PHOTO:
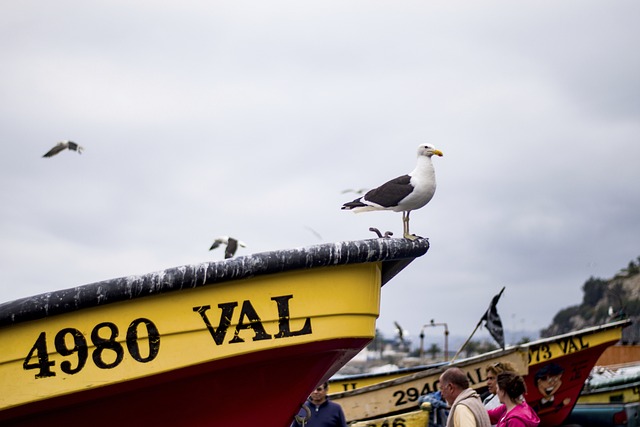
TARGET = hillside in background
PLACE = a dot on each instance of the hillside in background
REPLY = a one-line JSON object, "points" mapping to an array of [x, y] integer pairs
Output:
{"points": [[604, 300]]}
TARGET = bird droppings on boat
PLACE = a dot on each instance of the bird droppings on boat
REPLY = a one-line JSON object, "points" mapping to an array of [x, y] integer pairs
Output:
{"points": [[100, 295], [391, 252]]}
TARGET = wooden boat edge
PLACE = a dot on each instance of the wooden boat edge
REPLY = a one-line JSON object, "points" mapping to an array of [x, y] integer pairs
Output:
{"points": [[428, 372], [394, 254], [420, 371]]}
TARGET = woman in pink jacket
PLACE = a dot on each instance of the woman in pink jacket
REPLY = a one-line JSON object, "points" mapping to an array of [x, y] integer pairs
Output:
{"points": [[514, 412]]}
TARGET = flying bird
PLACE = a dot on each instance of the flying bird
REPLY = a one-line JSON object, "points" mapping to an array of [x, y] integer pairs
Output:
{"points": [[318, 235], [357, 191], [400, 331], [405, 193], [63, 145], [232, 245]]}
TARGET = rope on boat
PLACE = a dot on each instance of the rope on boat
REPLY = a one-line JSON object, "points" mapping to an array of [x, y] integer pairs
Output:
{"points": [[303, 420]]}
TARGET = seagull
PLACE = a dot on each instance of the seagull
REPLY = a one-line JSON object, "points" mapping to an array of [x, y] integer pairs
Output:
{"points": [[400, 331], [232, 245], [404, 193], [63, 145]]}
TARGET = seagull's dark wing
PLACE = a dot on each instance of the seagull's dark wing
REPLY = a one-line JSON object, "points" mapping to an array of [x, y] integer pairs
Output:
{"points": [[357, 203], [215, 245], [72, 145], [232, 247], [391, 192], [55, 150]]}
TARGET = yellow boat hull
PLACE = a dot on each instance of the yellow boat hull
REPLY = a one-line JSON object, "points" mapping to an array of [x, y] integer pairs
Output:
{"points": [[626, 394], [418, 418], [229, 351]]}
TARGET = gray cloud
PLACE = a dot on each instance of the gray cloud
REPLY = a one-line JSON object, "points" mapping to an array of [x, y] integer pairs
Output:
{"points": [[249, 120]]}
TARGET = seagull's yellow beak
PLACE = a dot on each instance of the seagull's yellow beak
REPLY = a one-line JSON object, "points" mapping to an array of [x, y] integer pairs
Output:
{"points": [[438, 153]]}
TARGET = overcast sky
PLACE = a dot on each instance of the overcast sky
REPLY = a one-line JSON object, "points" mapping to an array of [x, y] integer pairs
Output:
{"points": [[249, 118]]}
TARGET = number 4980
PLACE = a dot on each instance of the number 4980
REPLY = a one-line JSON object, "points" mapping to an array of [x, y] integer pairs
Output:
{"points": [[103, 337]]}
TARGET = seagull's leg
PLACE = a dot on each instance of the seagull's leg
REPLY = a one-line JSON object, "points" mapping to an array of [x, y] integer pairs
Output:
{"points": [[405, 220], [404, 224]]}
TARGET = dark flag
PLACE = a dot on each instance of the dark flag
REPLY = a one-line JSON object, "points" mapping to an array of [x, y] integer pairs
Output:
{"points": [[492, 321]]}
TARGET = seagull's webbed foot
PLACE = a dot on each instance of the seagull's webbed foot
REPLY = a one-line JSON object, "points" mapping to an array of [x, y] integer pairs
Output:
{"points": [[405, 224]]}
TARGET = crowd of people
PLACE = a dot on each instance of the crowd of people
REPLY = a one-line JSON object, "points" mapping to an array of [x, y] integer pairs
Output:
{"points": [[505, 406]]}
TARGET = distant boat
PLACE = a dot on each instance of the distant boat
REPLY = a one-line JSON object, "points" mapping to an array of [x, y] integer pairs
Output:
{"points": [[419, 418], [612, 384], [240, 342], [559, 366], [554, 369], [401, 394], [611, 396], [355, 381]]}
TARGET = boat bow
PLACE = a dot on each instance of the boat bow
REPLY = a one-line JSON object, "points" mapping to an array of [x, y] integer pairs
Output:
{"points": [[189, 346]]}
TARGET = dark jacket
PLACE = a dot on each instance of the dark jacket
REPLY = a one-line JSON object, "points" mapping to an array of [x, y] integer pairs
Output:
{"points": [[328, 414]]}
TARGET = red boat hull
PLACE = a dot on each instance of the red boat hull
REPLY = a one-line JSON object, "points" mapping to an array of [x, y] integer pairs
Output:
{"points": [[553, 387], [213, 394]]}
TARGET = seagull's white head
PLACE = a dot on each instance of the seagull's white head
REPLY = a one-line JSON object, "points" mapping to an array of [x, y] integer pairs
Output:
{"points": [[428, 150]]}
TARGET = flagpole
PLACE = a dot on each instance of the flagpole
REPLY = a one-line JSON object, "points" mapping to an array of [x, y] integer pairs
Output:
{"points": [[485, 317], [466, 342]]}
